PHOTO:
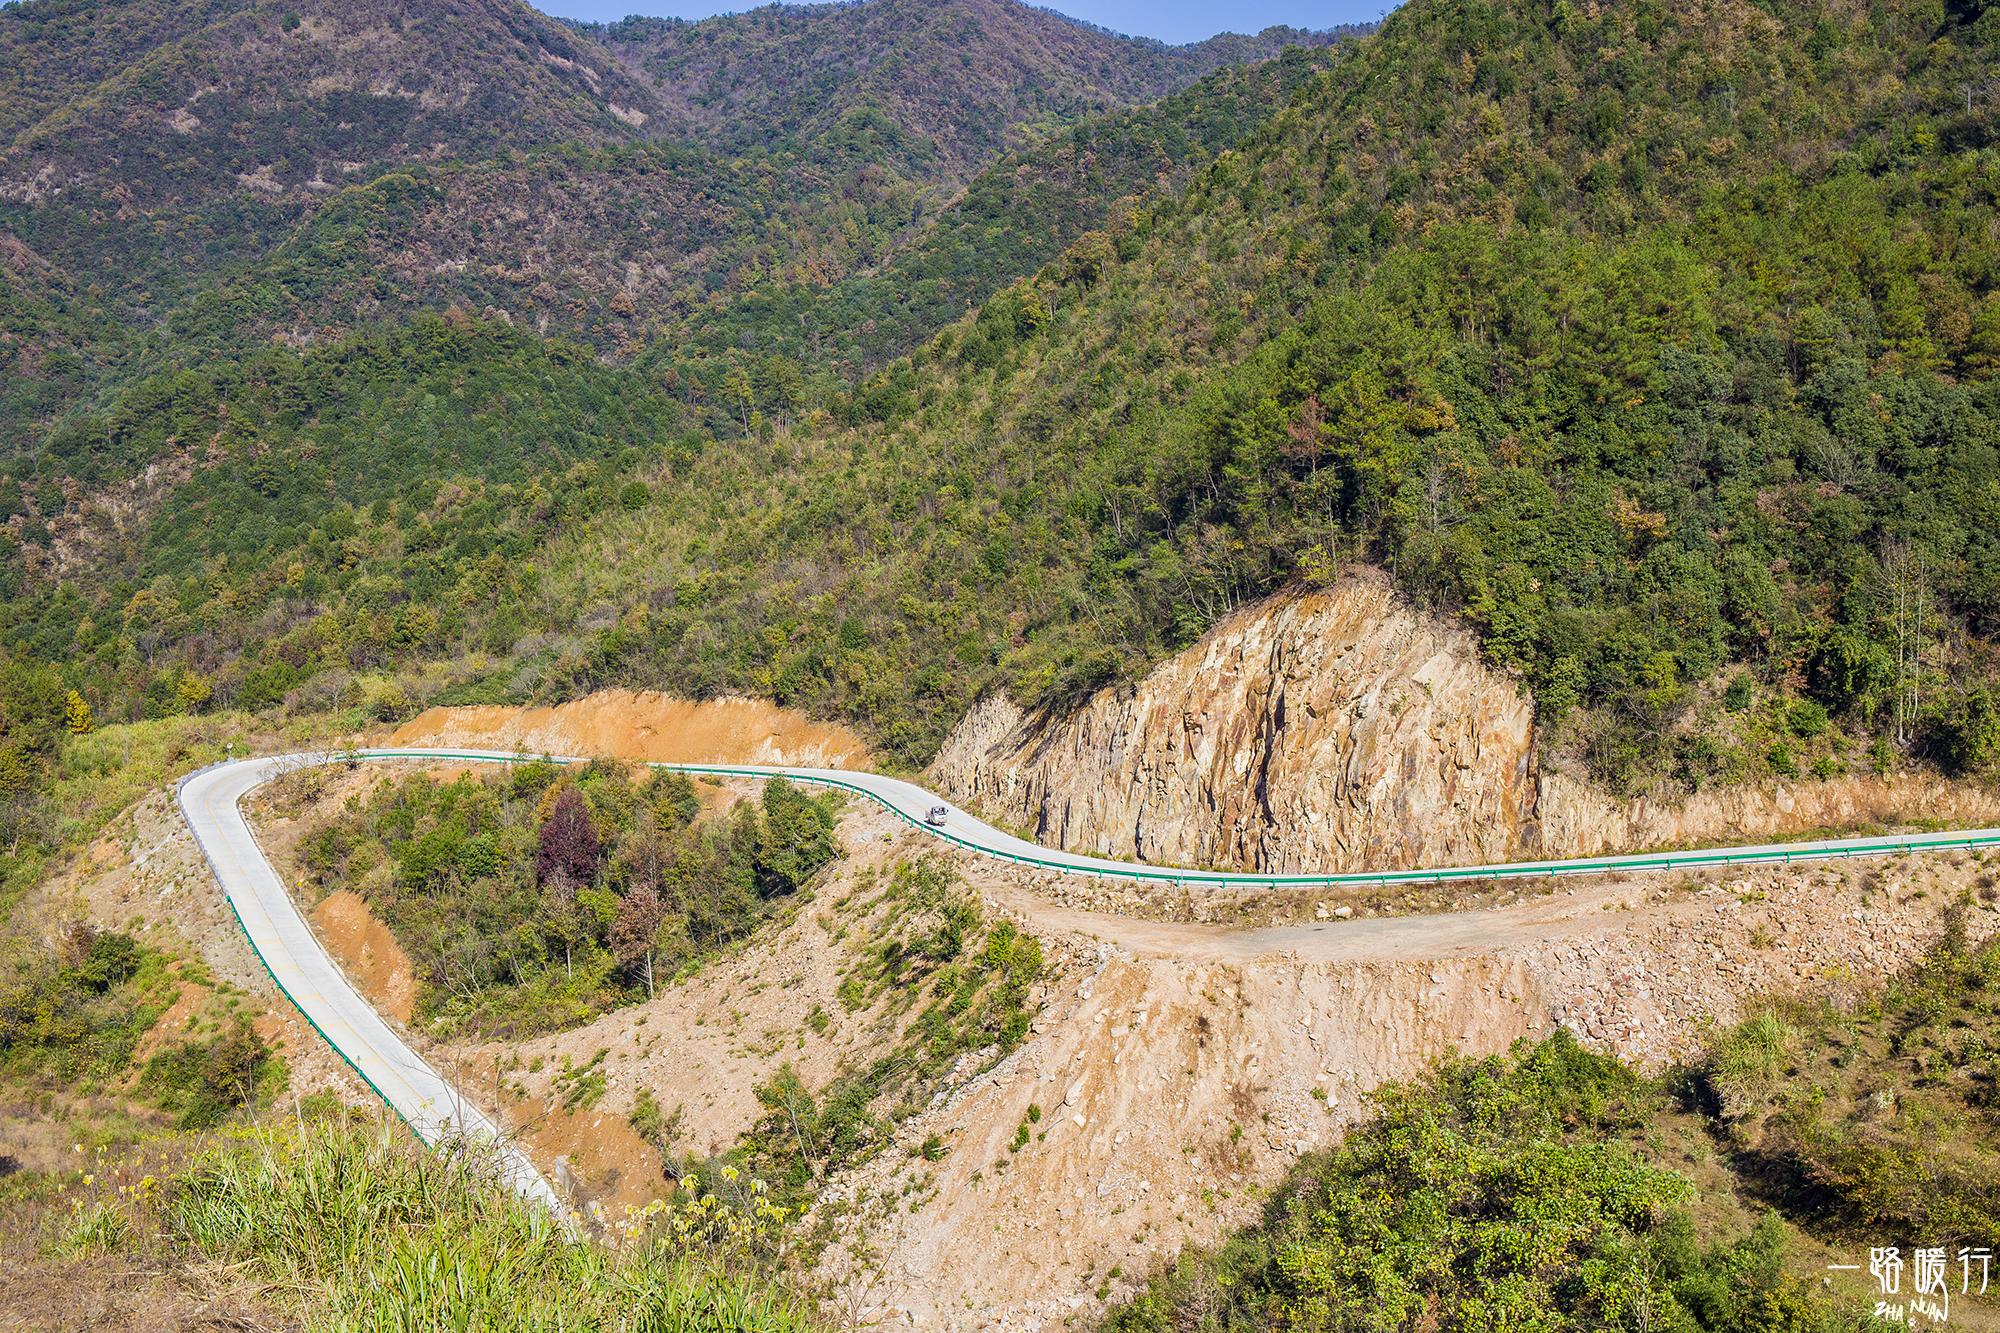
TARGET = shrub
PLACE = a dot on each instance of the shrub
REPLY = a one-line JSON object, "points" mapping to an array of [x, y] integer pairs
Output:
{"points": [[363, 1231], [797, 838], [538, 896], [1964, 734], [1807, 718], [1494, 1193], [206, 1082], [79, 1011], [567, 844]]}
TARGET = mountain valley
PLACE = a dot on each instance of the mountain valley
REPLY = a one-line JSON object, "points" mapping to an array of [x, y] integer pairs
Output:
{"points": [[1375, 454]]}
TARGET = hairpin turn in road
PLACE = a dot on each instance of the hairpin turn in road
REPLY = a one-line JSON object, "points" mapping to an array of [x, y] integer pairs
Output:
{"points": [[211, 800]]}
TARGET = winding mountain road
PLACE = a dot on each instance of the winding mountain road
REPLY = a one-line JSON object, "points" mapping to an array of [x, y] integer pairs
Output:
{"points": [[211, 800]]}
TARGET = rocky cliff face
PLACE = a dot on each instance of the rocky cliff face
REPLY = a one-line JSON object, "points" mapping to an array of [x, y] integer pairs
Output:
{"points": [[1580, 820], [1346, 730], [1316, 730]]}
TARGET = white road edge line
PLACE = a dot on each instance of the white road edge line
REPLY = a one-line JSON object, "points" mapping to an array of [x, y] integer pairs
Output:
{"points": [[211, 801]]}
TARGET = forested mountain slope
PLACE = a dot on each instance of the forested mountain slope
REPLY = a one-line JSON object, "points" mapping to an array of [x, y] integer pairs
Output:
{"points": [[929, 89], [712, 261], [146, 146], [149, 138], [1015, 216], [1657, 341], [200, 177], [153, 104]]}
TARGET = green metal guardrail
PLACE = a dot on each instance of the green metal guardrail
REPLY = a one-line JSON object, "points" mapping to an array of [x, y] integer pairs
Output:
{"points": [[442, 1141], [1585, 865], [1832, 850], [285, 990]]}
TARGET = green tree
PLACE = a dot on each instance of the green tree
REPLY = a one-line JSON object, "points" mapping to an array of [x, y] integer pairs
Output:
{"points": [[76, 713], [797, 838]]}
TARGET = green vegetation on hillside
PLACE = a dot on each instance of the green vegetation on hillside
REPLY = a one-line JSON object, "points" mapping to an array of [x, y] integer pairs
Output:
{"points": [[284, 94], [537, 898], [34, 719], [64, 777], [1481, 305], [1556, 1189], [72, 1017], [786, 265], [1501, 1193], [1656, 343], [74, 1014], [1883, 1118], [65, 780], [186, 178], [374, 1234], [319, 1220], [928, 90], [342, 1226], [341, 509], [149, 145], [1014, 217]]}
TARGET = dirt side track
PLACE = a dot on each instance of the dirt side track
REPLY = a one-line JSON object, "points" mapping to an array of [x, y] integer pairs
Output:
{"points": [[1181, 1066]]}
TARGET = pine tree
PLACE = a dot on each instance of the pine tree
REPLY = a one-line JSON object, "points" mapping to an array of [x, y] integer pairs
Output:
{"points": [[76, 713]]}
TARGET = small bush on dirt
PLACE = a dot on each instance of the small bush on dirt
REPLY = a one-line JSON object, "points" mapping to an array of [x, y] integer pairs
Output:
{"points": [[205, 1082], [95, 1226], [76, 1012], [651, 1123]]}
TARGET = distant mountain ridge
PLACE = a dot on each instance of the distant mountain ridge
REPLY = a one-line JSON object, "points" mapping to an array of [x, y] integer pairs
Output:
{"points": [[177, 176], [283, 98], [180, 177], [941, 84]]}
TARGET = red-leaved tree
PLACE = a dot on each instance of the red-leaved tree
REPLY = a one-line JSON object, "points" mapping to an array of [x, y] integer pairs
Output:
{"points": [[568, 842], [632, 932]]}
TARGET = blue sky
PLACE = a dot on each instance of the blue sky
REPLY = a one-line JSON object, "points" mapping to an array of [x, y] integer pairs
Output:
{"points": [[1169, 20]]}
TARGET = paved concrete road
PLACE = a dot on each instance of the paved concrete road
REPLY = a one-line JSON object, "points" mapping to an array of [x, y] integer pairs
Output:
{"points": [[210, 799]]}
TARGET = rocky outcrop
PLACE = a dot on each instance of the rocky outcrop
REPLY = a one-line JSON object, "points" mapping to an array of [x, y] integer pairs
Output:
{"points": [[1316, 730], [1345, 729], [1578, 819]]}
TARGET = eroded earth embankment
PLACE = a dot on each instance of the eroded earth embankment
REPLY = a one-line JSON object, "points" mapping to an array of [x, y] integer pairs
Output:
{"points": [[1173, 1070], [644, 725]]}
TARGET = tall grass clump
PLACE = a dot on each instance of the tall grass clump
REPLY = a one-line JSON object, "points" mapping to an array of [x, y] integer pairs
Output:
{"points": [[361, 1231]]}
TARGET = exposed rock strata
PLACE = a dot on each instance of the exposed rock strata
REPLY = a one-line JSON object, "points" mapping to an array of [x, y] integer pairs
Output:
{"points": [[1326, 728], [1580, 820], [1345, 729]]}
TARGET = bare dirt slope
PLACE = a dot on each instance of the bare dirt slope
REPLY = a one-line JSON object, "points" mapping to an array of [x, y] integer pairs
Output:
{"points": [[1175, 1068], [640, 725], [1179, 1073], [367, 952], [146, 877]]}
